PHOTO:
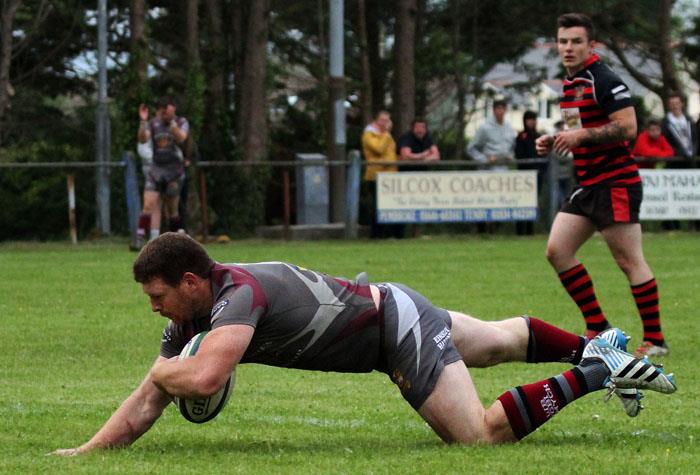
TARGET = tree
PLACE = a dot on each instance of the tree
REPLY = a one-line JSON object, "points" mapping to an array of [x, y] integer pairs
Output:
{"points": [[254, 101], [629, 30], [366, 71], [9, 10], [216, 120], [404, 70]]}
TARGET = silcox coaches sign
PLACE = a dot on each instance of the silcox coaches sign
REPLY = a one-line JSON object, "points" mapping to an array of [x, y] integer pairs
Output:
{"points": [[435, 197]]}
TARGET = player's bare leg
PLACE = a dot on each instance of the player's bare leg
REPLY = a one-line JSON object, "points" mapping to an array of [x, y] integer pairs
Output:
{"points": [[524, 338], [172, 202], [625, 243], [152, 204], [569, 232], [456, 414], [149, 220], [487, 343]]}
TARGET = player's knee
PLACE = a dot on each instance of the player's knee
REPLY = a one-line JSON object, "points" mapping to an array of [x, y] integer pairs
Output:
{"points": [[498, 351], [551, 253], [557, 255], [626, 263]]}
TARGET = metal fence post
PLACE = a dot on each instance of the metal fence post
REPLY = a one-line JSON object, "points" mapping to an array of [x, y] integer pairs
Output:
{"points": [[131, 188], [72, 223], [553, 181], [352, 194]]}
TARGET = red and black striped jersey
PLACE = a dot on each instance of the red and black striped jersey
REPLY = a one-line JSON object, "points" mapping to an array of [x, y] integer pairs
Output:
{"points": [[589, 97]]}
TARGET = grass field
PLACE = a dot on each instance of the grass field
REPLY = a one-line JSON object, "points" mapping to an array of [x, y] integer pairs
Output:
{"points": [[78, 337]]}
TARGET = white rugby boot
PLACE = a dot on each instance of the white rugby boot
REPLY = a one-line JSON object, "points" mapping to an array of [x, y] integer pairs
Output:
{"points": [[626, 371], [631, 398]]}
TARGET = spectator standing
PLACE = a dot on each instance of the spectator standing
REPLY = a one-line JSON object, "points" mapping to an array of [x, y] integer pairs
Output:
{"points": [[165, 176], [651, 143], [417, 145], [680, 133], [494, 142], [378, 146], [525, 149]]}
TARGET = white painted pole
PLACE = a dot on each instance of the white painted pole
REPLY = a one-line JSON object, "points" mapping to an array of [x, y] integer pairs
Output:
{"points": [[72, 224]]}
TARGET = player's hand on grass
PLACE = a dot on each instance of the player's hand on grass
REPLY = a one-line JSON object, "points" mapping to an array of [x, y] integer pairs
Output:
{"points": [[68, 452]]}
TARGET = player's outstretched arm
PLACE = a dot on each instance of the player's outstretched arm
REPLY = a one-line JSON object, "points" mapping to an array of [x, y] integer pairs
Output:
{"points": [[133, 418]]}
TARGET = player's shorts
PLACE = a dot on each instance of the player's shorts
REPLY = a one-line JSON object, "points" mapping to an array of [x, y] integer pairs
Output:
{"points": [[165, 179], [605, 205], [417, 343]]}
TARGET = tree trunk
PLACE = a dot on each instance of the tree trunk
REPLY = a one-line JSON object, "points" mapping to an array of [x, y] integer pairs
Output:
{"points": [[216, 88], [421, 81], [666, 50], [138, 45], [458, 78], [254, 101], [218, 52], [404, 71], [238, 34], [192, 40], [366, 90], [377, 71], [9, 11]]}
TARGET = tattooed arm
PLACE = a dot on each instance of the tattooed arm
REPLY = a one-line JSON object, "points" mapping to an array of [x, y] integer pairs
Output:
{"points": [[622, 126]]}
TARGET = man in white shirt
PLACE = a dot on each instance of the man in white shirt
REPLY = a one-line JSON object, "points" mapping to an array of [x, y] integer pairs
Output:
{"points": [[679, 131], [494, 142]]}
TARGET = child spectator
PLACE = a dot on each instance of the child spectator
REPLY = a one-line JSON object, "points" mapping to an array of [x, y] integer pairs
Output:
{"points": [[651, 143]]}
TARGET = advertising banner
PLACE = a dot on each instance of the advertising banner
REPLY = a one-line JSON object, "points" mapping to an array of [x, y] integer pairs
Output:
{"points": [[670, 194], [459, 196]]}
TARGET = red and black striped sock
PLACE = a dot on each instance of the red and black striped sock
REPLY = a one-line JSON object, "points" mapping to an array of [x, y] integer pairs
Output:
{"points": [[548, 343], [579, 285], [143, 225], [646, 296], [528, 407]]}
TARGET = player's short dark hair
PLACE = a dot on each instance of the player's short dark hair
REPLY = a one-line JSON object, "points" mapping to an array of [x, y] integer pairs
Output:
{"points": [[570, 20], [165, 101], [169, 256]]}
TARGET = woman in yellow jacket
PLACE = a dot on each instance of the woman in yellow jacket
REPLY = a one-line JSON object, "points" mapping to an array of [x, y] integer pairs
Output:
{"points": [[379, 146]]}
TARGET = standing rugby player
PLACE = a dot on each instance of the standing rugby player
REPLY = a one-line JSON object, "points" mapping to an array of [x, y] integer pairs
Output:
{"points": [[597, 109]]}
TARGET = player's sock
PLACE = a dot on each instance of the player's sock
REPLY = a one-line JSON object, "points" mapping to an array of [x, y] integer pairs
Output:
{"points": [[155, 232], [528, 407], [579, 285], [143, 225], [646, 296], [175, 224], [549, 343]]}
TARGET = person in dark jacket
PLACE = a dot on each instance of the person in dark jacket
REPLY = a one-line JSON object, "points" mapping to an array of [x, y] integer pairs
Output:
{"points": [[524, 150]]}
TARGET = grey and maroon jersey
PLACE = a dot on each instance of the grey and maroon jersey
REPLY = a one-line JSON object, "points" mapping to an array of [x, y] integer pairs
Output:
{"points": [[302, 319], [165, 149]]}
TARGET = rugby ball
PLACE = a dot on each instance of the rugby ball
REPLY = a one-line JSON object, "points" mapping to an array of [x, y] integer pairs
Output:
{"points": [[203, 410]]}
